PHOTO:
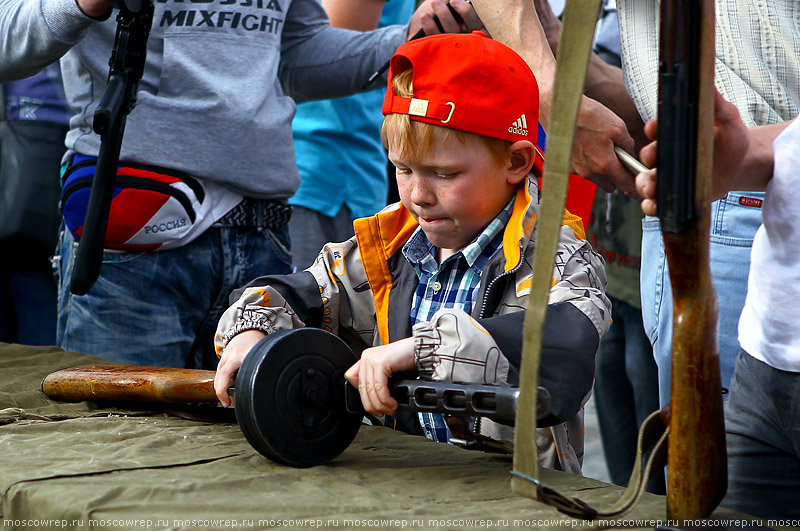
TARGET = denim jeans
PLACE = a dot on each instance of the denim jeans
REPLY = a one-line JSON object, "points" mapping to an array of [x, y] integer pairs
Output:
{"points": [[762, 425], [625, 391], [733, 226], [27, 307], [161, 308]]}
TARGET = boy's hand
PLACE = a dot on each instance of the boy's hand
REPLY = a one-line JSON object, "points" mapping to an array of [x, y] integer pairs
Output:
{"points": [[370, 375], [231, 360], [423, 18], [731, 144]]}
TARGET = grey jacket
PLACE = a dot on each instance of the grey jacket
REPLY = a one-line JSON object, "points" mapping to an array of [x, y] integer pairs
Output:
{"points": [[216, 98]]}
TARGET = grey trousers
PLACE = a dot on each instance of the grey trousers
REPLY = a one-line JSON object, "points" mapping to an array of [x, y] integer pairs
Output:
{"points": [[762, 424], [309, 231]]}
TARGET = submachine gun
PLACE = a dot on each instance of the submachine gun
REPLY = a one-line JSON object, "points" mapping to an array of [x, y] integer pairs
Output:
{"points": [[291, 399], [126, 68]]}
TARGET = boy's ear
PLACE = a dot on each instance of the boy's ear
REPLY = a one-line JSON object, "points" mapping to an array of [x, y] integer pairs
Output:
{"points": [[522, 157]]}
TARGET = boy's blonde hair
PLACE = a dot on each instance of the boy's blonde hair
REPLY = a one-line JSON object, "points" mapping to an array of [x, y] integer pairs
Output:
{"points": [[416, 138]]}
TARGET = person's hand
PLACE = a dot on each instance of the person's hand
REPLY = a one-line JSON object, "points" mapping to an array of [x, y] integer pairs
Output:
{"points": [[94, 8], [231, 359], [597, 131], [731, 144], [423, 18], [370, 374]]}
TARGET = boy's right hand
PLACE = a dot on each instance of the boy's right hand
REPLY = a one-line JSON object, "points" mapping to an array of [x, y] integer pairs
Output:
{"points": [[231, 359], [371, 373]]}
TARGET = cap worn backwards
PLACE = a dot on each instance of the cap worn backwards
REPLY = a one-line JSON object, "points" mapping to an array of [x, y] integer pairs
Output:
{"points": [[467, 82]]}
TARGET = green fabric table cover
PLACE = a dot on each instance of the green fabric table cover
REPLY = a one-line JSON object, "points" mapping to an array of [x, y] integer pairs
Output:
{"points": [[83, 466]]}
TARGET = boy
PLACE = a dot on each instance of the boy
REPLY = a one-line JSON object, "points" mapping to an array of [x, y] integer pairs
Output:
{"points": [[458, 246]]}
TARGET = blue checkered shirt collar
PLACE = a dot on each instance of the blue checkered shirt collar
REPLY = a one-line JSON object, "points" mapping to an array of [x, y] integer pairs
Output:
{"points": [[461, 271]]}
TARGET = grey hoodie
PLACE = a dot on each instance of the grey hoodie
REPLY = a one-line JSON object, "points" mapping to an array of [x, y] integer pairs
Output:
{"points": [[216, 98]]}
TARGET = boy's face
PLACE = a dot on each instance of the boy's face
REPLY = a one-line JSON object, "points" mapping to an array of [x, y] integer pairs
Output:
{"points": [[455, 190]]}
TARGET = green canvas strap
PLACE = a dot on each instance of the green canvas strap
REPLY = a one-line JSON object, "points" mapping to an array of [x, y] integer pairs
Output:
{"points": [[575, 44], [579, 20]]}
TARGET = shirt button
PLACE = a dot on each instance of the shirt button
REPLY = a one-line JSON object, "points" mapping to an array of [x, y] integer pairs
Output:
{"points": [[436, 286]]}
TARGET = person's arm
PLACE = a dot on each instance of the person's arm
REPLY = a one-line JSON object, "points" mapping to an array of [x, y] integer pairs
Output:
{"points": [[320, 62], [743, 158], [257, 311], [37, 33], [593, 156], [329, 295], [603, 81]]}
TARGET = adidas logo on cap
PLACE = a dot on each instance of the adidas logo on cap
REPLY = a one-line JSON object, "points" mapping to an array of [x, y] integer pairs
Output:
{"points": [[519, 126]]}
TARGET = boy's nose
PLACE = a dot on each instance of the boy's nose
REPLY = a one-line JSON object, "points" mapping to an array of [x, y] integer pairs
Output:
{"points": [[420, 193]]}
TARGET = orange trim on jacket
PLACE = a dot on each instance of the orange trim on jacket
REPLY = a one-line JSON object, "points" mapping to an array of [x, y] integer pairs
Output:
{"points": [[382, 235]]}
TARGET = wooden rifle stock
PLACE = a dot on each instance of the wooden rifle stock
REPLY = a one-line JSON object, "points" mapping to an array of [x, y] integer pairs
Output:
{"points": [[131, 383], [697, 465]]}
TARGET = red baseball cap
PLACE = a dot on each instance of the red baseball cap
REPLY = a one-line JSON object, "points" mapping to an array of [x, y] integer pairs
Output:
{"points": [[468, 82]]}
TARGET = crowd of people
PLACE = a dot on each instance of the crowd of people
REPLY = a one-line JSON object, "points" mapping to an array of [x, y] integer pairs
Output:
{"points": [[260, 120]]}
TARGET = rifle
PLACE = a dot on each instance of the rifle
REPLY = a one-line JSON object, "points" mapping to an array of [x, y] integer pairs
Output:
{"points": [[697, 470], [126, 68]]}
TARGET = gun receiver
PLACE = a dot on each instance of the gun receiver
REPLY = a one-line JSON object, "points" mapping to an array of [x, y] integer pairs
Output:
{"points": [[677, 107]]}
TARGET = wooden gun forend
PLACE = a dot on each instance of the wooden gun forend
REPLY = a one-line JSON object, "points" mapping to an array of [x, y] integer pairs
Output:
{"points": [[697, 470]]}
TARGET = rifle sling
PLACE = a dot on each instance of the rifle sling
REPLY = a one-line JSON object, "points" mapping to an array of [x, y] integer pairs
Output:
{"points": [[575, 43]]}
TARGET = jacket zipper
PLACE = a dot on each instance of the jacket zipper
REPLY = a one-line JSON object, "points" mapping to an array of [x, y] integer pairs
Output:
{"points": [[482, 313]]}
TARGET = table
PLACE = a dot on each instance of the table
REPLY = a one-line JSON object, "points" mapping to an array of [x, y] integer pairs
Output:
{"points": [[87, 466]]}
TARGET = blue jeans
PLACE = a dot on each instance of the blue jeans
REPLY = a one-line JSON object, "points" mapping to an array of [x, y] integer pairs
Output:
{"points": [[733, 227], [625, 391], [161, 308], [762, 425], [27, 307]]}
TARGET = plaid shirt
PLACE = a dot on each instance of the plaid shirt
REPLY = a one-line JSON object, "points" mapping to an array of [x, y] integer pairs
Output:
{"points": [[453, 284]]}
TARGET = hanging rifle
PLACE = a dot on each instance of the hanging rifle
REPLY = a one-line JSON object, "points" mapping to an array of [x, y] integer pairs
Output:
{"points": [[126, 68], [697, 471]]}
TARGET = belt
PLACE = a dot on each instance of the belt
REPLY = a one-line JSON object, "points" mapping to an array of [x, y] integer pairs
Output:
{"points": [[257, 213]]}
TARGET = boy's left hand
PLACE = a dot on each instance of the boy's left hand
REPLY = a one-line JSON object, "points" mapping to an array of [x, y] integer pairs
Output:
{"points": [[370, 374]]}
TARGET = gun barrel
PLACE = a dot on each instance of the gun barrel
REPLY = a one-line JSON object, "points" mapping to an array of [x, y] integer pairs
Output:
{"points": [[495, 402]]}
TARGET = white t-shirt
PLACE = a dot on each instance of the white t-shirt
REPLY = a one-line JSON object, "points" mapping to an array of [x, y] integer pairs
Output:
{"points": [[769, 328]]}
